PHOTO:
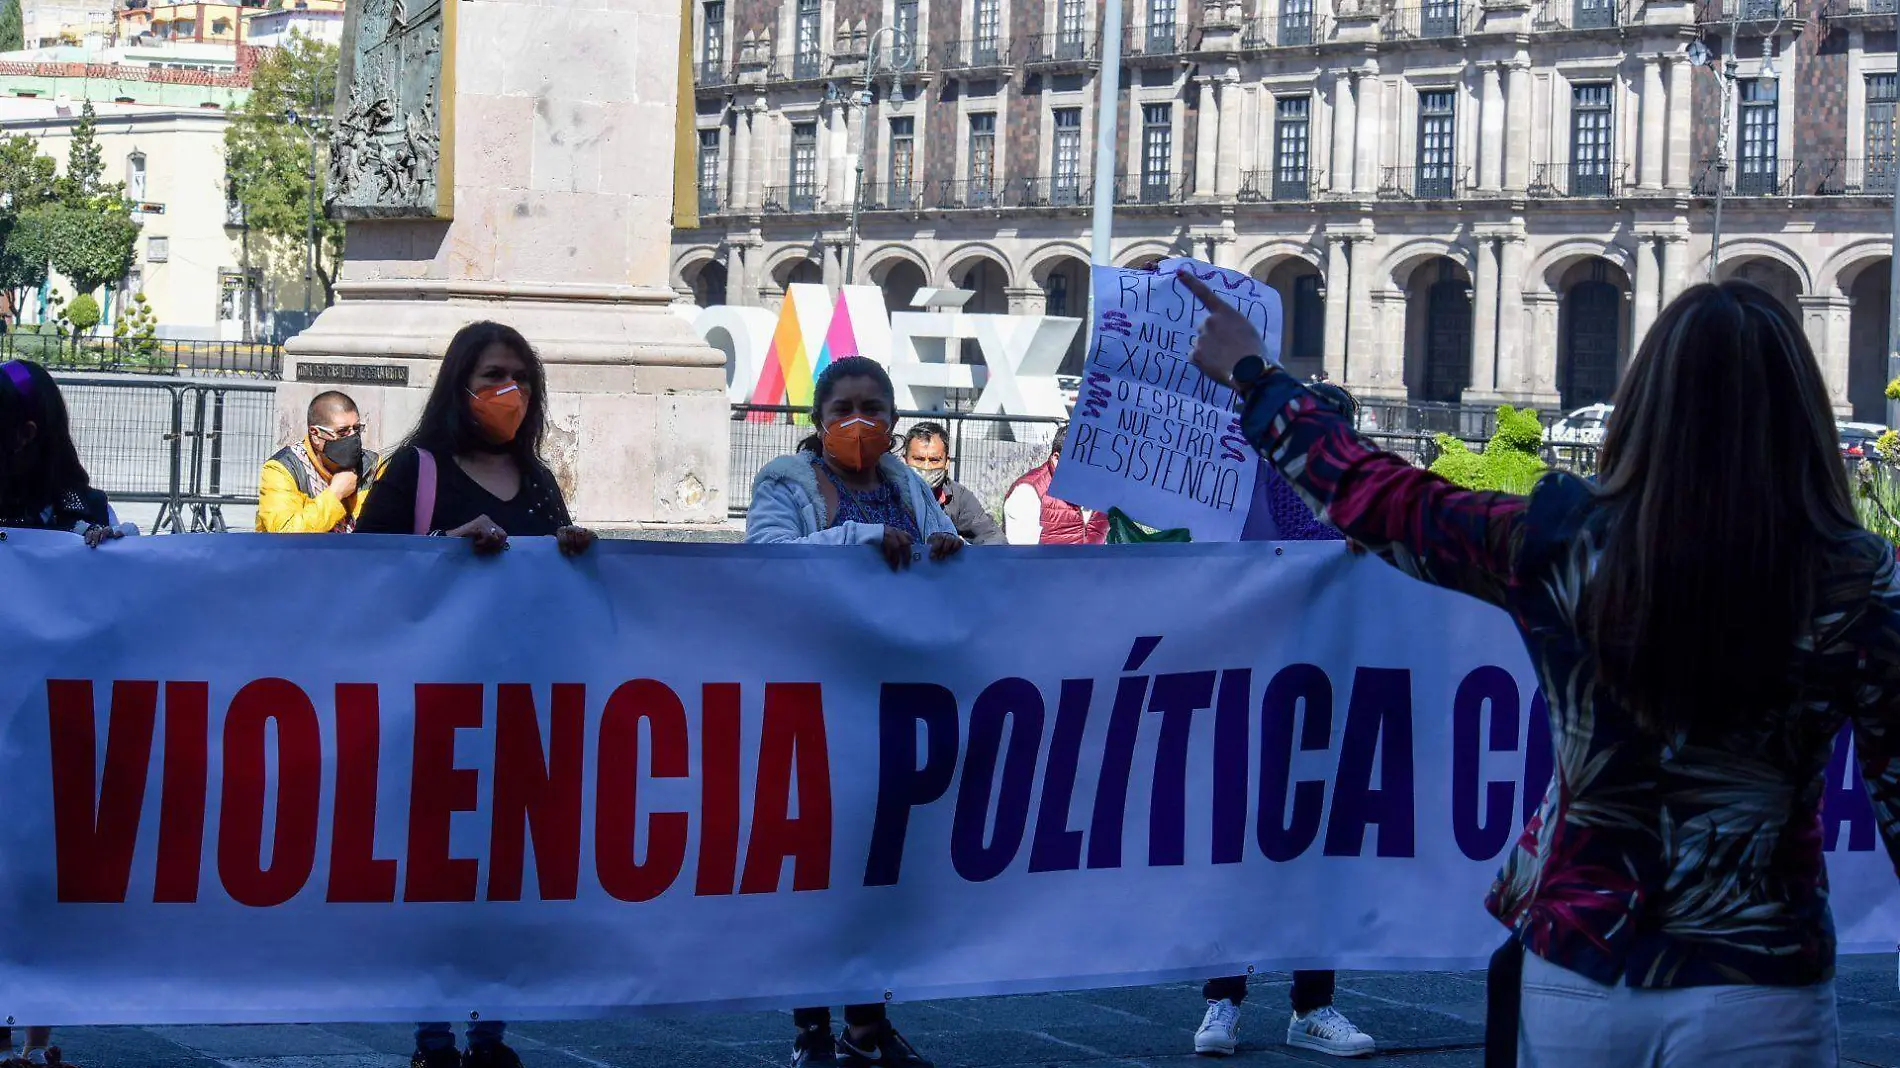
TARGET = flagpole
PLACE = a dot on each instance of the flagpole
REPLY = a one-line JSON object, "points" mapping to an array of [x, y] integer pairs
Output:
{"points": [[1107, 127]]}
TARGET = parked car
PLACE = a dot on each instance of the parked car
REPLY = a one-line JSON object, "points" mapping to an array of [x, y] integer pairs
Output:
{"points": [[1857, 439], [1581, 427]]}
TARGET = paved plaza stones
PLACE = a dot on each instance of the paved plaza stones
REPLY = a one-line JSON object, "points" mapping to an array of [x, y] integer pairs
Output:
{"points": [[1423, 1020]]}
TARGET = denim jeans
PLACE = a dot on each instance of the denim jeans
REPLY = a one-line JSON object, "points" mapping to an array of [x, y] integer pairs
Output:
{"points": [[1311, 990], [1569, 1021], [430, 1036]]}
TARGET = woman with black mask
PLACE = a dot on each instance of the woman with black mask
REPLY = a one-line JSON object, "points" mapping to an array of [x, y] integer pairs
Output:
{"points": [[472, 468]]}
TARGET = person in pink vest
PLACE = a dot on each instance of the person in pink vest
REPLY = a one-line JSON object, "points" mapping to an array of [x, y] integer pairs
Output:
{"points": [[1032, 517]]}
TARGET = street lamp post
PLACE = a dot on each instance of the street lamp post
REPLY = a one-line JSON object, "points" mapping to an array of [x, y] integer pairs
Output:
{"points": [[1699, 55], [901, 44], [311, 125]]}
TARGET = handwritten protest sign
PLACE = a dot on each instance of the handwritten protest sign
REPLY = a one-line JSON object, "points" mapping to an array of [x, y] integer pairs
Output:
{"points": [[1151, 434]]}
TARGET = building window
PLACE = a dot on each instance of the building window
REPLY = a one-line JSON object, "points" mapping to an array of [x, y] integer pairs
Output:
{"points": [[1438, 18], [135, 177], [1157, 152], [1291, 175], [1069, 29], [904, 48], [1067, 157], [982, 157], [712, 43], [1761, 137], [1590, 141], [708, 172], [1437, 124], [903, 157], [804, 166], [989, 17], [1881, 94], [1161, 26], [1296, 23], [807, 62]]}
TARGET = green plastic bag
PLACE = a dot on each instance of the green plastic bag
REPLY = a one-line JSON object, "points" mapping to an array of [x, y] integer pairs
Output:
{"points": [[1125, 531]]}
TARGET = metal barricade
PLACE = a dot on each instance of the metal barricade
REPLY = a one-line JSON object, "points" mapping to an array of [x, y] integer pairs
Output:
{"points": [[190, 446]]}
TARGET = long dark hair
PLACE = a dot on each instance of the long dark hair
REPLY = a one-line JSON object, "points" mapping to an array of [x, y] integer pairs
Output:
{"points": [[447, 427], [1722, 464], [827, 384], [37, 473]]}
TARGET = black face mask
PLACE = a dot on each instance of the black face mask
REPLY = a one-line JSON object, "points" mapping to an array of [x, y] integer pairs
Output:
{"points": [[344, 454]]}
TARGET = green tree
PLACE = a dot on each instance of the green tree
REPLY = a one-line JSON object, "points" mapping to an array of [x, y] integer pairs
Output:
{"points": [[84, 180], [268, 157], [91, 248], [27, 185], [83, 313], [12, 27], [1510, 462], [26, 254]]}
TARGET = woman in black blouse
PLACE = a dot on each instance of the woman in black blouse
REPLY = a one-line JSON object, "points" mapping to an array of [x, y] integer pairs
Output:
{"points": [[482, 430]]}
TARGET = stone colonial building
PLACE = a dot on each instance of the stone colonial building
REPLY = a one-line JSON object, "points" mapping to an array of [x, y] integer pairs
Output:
{"points": [[1459, 201]]}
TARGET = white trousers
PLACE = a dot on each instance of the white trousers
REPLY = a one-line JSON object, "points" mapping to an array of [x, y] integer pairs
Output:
{"points": [[1568, 1021]]}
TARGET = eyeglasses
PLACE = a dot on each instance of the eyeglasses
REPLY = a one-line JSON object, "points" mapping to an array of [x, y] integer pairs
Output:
{"points": [[325, 433]]}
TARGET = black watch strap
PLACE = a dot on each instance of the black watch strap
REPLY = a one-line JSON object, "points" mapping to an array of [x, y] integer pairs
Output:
{"points": [[1249, 372]]}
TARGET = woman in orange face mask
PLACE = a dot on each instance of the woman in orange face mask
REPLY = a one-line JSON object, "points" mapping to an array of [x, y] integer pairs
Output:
{"points": [[472, 468], [844, 486]]}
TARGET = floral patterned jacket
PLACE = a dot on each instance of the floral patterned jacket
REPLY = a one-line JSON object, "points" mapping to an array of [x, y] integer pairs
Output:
{"points": [[1690, 861]]}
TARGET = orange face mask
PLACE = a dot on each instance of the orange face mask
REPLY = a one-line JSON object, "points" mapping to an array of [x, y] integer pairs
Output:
{"points": [[855, 442], [499, 410]]}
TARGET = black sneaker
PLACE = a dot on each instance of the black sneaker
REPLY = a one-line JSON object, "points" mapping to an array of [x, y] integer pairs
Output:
{"points": [[884, 1049], [491, 1055], [814, 1046], [436, 1058]]}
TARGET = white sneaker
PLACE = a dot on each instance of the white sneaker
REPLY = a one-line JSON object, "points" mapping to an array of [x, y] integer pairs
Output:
{"points": [[1220, 1029], [1328, 1031]]}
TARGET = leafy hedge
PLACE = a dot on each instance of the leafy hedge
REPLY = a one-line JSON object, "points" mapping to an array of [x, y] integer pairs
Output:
{"points": [[1510, 463]]}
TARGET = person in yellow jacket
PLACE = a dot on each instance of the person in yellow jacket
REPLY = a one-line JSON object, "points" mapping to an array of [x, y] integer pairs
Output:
{"points": [[318, 485]]}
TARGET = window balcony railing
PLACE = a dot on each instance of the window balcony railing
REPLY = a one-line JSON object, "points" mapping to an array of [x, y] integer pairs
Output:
{"points": [[789, 200], [1752, 178], [1430, 21], [1859, 177], [1590, 179], [1285, 186], [1156, 40], [1713, 11], [1062, 48], [1425, 183], [893, 196], [1156, 188], [1582, 15], [1057, 191], [235, 216], [966, 193], [710, 202], [806, 66], [975, 53], [1286, 31], [709, 72], [1850, 9]]}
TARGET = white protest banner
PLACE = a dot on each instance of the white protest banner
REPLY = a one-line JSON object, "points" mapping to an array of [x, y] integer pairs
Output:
{"points": [[661, 776], [1151, 435]]}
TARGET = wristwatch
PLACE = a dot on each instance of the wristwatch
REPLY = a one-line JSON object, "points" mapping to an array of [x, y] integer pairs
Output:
{"points": [[1249, 373]]}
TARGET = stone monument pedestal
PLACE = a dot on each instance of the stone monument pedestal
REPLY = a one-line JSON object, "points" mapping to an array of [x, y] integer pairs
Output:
{"points": [[556, 140]]}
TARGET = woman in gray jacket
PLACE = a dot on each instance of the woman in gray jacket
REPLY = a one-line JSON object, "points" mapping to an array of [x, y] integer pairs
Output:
{"points": [[843, 486]]}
